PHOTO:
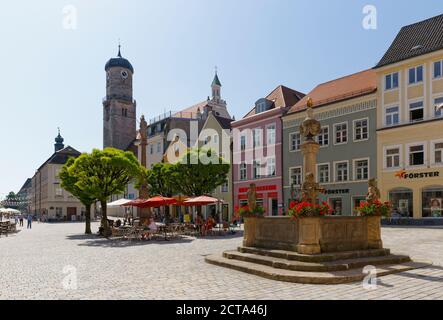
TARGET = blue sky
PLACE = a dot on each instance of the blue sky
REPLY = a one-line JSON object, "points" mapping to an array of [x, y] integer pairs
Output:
{"points": [[53, 77]]}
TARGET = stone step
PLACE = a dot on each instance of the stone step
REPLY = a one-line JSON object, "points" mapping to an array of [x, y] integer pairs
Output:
{"points": [[294, 265], [333, 277], [324, 257]]}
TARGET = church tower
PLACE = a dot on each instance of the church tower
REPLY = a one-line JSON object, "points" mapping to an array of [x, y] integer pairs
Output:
{"points": [[59, 142], [119, 107], [216, 89]]}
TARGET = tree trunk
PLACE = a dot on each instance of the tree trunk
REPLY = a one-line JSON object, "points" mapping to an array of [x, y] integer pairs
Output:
{"points": [[105, 224], [88, 220]]}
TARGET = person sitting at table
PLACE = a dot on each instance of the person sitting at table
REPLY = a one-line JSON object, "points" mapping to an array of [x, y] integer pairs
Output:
{"points": [[151, 228]]}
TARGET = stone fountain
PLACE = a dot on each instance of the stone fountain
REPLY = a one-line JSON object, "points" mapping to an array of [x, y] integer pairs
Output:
{"points": [[322, 250]]}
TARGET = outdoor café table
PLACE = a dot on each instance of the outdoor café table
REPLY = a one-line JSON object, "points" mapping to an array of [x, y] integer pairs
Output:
{"points": [[162, 228]]}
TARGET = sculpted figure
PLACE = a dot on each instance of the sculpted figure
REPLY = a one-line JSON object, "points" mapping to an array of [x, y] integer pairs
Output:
{"points": [[310, 188], [310, 127], [373, 192], [252, 197]]}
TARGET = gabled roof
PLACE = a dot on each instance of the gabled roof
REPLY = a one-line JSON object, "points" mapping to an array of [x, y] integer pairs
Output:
{"points": [[282, 97], [61, 156], [415, 40], [225, 123], [345, 88], [25, 186]]}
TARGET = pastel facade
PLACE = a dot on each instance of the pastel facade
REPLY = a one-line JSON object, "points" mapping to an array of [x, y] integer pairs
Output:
{"points": [[410, 125], [346, 109], [257, 151]]}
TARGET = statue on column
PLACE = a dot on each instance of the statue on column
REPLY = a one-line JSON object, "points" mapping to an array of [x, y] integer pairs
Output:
{"points": [[373, 192], [252, 197], [310, 127], [310, 189]]}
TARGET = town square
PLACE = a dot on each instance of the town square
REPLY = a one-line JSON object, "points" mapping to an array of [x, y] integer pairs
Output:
{"points": [[291, 174]]}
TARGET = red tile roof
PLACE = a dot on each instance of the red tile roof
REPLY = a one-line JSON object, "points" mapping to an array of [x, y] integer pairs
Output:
{"points": [[348, 87], [283, 97]]}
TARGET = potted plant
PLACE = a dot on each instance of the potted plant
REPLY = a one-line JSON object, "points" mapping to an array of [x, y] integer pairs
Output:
{"points": [[375, 209], [246, 212]]}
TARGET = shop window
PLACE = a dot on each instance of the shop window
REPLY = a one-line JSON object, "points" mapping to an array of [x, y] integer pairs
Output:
{"points": [[243, 203], [402, 202], [392, 116], [323, 137], [361, 130], [416, 111], [392, 158], [337, 206], [417, 155], [432, 201]]}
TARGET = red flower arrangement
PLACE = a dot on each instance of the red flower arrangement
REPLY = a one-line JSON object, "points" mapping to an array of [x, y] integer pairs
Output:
{"points": [[378, 208], [245, 211], [306, 209]]}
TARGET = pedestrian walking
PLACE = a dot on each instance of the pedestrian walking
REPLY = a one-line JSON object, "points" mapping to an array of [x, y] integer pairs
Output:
{"points": [[29, 221], [21, 220]]}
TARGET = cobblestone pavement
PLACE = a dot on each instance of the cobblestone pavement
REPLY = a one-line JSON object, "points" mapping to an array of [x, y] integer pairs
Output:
{"points": [[38, 264]]}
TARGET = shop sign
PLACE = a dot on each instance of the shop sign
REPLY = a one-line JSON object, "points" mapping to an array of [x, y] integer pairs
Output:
{"points": [[259, 188], [338, 191], [403, 174]]}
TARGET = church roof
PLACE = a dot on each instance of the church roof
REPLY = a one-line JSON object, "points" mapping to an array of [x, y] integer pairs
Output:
{"points": [[216, 81], [119, 62], [61, 156]]}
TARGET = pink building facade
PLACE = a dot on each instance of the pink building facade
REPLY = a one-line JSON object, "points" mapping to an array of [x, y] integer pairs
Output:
{"points": [[257, 151]]}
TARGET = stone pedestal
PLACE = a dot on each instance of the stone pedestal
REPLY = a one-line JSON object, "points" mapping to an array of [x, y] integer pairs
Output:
{"points": [[250, 232], [373, 225], [309, 236]]}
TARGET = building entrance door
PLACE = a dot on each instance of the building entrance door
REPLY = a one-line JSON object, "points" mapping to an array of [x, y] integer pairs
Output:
{"points": [[70, 213], [273, 205]]}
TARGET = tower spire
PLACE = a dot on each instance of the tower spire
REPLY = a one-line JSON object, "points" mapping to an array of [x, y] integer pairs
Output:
{"points": [[119, 49]]}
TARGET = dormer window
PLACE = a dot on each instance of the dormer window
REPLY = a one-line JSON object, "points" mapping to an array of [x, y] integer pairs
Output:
{"points": [[261, 107]]}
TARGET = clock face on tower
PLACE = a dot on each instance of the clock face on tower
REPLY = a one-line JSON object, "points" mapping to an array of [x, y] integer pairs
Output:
{"points": [[124, 74]]}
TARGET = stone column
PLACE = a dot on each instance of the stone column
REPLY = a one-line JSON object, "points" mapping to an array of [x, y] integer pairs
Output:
{"points": [[310, 151], [143, 213]]}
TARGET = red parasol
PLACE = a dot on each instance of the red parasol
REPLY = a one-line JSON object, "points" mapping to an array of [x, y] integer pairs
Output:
{"points": [[159, 201], [201, 201]]}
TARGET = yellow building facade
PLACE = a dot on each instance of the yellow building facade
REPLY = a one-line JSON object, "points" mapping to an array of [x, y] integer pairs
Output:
{"points": [[410, 125]]}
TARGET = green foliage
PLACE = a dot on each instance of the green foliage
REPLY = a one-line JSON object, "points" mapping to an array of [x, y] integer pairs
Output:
{"points": [[104, 173], [200, 172], [161, 179], [69, 179]]}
